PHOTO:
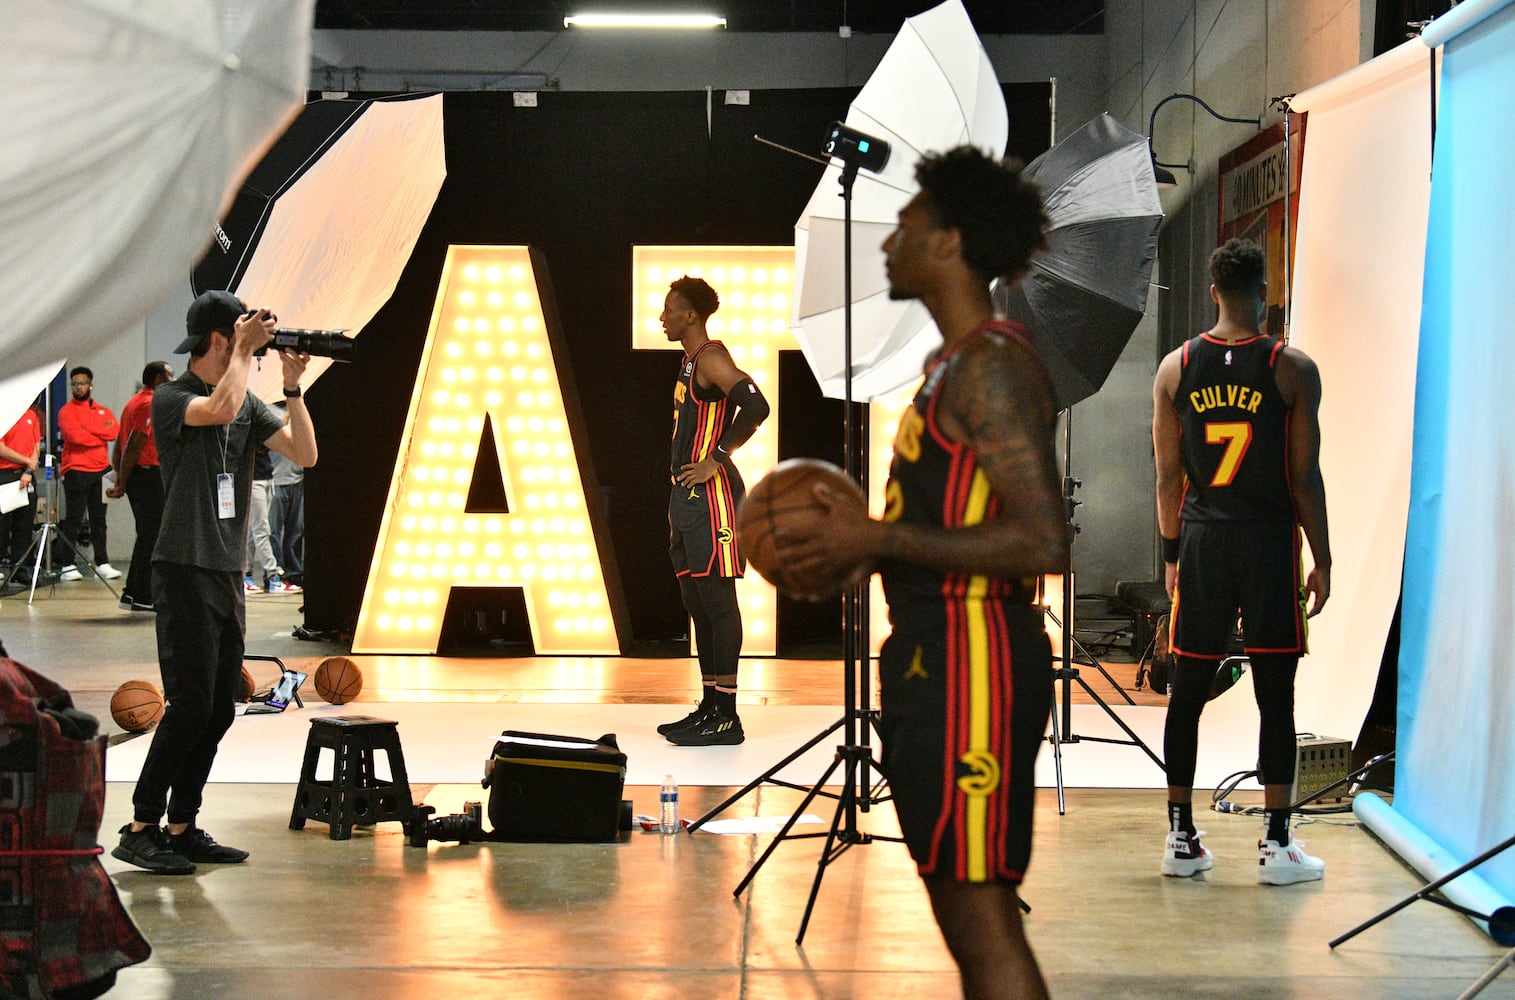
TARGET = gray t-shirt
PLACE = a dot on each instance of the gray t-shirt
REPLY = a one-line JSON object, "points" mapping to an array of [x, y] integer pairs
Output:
{"points": [[191, 458], [287, 473]]}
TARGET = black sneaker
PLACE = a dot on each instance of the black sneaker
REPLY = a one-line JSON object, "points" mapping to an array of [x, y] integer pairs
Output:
{"points": [[715, 729], [149, 848], [197, 845], [685, 722]]}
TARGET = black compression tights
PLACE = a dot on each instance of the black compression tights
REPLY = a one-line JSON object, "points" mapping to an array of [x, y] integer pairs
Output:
{"points": [[711, 603], [1273, 686]]}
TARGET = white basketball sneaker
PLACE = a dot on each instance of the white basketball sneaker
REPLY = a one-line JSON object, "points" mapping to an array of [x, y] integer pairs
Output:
{"points": [[1286, 864], [1184, 855]]}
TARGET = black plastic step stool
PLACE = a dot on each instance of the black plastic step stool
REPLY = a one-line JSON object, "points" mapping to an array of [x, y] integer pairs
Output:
{"points": [[354, 795]]}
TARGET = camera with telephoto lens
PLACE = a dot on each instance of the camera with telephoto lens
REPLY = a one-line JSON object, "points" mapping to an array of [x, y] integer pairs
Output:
{"points": [[463, 828], [332, 344]]}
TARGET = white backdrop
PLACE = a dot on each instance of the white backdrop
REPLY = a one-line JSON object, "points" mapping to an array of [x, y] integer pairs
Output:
{"points": [[1356, 310]]}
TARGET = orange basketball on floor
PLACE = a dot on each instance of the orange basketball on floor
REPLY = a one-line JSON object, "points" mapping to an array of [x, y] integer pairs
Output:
{"points": [[338, 680], [785, 499], [136, 706], [248, 685]]}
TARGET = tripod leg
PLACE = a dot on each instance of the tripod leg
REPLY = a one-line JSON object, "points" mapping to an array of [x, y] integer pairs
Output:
{"points": [[768, 774], [1094, 662], [784, 832], [1057, 763], [849, 775], [1132, 738], [40, 544], [1490, 976]]}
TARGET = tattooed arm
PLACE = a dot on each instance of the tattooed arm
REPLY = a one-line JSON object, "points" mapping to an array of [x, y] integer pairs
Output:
{"points": [[998, 401]]}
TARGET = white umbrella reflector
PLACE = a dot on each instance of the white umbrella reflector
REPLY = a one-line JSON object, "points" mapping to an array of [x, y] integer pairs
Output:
{"points": [[129, 125], [934, 89]]}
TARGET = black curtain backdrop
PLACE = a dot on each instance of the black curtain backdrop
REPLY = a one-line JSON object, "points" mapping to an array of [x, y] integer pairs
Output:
{"points": [[583, 177]]}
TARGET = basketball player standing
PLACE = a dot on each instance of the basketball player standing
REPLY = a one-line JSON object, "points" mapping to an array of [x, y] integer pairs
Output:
{"points": [[716, 408], [973, 516], [1236, 434]]}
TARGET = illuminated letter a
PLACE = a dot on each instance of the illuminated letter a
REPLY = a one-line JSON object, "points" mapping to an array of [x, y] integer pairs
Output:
{"points": [[488, 380]]}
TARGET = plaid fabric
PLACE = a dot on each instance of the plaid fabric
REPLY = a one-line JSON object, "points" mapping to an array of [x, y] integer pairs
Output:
{"points": [[61, 922]]}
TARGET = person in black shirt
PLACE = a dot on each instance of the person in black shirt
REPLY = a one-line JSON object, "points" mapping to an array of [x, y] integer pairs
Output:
{"points": [[1236, 434]]}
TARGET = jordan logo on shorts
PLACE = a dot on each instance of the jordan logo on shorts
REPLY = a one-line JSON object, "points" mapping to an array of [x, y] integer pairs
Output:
{"points": [[916, 670]]}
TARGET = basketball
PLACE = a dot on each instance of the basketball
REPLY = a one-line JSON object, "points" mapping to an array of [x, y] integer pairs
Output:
{"points": [[248, 685], [338, 680], [136, 706], [785, 500]]}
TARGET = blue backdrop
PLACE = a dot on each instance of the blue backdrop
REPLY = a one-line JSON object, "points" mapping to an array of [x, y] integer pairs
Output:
{"points": [[1456, 728]]}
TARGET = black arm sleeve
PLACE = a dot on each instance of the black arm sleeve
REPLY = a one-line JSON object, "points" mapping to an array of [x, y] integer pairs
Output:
{"points": [[752, 410]]}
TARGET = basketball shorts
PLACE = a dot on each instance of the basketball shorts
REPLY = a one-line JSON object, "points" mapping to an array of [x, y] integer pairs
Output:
{"points": [[1231, 569], [964, 709], [702, 528]]}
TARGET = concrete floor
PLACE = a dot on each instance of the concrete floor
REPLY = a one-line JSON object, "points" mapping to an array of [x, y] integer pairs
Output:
{"points": [[654, 916]]}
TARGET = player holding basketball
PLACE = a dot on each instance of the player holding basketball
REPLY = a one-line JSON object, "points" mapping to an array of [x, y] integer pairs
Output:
{"points": [[716, 408], [973, 516], [206, 426], [1236, 433]]}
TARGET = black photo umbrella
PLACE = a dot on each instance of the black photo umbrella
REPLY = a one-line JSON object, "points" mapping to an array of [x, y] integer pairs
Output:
{"points": [[1085, 295]]}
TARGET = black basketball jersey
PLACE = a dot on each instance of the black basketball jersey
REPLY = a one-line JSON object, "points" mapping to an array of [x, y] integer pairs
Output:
{"points": [[937, 482], [697, 423], [1235, 431]]}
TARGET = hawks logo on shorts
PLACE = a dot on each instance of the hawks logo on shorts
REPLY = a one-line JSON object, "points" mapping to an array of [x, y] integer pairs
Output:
{"points": [[703, 517]]}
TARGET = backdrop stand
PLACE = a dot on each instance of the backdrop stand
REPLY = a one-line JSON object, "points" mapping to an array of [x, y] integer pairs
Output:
{"points": [[1501, 922], [1063, 670]]}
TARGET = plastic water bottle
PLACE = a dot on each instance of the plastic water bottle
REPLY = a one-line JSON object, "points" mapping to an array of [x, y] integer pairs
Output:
{"points": [[668, 797]]}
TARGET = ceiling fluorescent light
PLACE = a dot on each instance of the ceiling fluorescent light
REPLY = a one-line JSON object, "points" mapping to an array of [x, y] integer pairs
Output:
{"points": [[644, 21]]}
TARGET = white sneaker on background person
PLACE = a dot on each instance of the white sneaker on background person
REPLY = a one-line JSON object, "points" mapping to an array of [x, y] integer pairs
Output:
{"points": [[69, 574], [278, 585], [1184, 855], [108, 572], [1286, 864]]}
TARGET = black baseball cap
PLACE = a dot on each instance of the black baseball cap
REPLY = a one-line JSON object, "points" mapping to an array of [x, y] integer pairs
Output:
{"points": [[210, 312]]}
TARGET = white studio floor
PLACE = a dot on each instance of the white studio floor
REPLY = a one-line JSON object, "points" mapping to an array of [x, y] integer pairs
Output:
{"points": [[448, 742]]}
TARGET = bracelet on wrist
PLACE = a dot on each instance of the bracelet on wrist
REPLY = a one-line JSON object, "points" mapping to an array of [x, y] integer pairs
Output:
{"points": [[292, 393], [1170, 550]]}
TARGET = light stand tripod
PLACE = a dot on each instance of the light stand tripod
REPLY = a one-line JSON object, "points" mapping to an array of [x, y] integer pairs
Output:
{"points": [[1064, 670], [41, 543], [858, 791]]}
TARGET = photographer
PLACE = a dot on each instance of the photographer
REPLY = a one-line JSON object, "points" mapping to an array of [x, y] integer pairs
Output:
{"points": [[207, 428]]}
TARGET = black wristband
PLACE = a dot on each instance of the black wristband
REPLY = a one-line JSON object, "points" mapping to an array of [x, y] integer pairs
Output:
{"points": [[292, 393], [1170, 550]]}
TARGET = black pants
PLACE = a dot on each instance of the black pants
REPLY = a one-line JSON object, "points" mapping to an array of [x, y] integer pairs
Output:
{"points": [[145, 491], [201, 622], [81, 491], [16, 527]]}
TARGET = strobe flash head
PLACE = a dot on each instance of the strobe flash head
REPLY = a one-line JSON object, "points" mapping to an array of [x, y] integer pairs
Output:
{"points": [[856, 148]]}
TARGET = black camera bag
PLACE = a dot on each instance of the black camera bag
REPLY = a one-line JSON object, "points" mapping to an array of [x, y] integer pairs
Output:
{"points": [[544, 788]]}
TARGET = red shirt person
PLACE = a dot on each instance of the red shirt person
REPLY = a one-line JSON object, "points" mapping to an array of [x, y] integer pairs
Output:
{"points": [[19, 449], [87, 429], [138, 478]]}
